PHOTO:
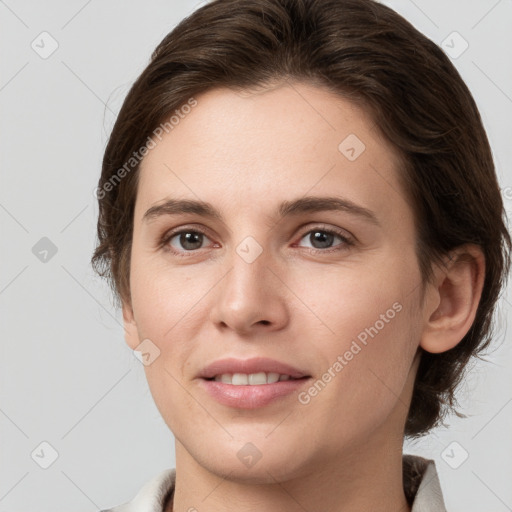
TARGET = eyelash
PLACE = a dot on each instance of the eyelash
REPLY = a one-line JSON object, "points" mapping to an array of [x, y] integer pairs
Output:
{"points": [[346, 242]]}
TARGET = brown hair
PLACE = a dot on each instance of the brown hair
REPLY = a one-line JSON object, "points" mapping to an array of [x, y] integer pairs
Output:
{"points": [[363, 51]]}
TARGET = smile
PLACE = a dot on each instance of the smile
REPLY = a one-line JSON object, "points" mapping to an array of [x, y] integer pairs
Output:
{"points": [[251, 379]]}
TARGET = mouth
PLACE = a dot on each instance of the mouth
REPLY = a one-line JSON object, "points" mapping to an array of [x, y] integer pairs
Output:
{"points": [[250, 371], [251, 383], [253, 379]]}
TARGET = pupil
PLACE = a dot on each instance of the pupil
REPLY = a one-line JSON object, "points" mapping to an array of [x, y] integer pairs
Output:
{"points": [[320, 236], [190, 238]]}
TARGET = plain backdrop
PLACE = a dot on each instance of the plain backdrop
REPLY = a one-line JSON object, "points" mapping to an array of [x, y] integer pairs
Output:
{"points": [[73, 396]]}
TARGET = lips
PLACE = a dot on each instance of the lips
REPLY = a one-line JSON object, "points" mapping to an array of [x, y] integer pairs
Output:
{"points": [[233, 389], [250, 366]]}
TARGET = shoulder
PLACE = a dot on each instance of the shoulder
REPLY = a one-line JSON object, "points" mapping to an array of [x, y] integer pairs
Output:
{"points": [[152, 496], [421, 484]]}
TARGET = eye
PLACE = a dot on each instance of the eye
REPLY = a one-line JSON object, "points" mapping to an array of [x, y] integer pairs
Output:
{"points": [[322, 239], [186, 240]]}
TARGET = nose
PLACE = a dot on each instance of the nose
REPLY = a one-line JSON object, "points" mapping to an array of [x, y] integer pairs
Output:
{"points": [[251, 297]]}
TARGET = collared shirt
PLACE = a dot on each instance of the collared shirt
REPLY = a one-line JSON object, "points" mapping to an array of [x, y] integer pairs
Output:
{"points": [[421, 485]]}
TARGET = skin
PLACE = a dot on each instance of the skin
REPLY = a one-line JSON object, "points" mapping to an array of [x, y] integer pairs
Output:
{"points": [[245, 153]]}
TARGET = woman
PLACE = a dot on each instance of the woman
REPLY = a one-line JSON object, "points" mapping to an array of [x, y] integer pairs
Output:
{"points": [[300, 216]]}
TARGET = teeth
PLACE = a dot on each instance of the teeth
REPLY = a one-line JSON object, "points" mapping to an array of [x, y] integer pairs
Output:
{"points": [[256, 378], [252, 379], [239, 379], [272, 377]]}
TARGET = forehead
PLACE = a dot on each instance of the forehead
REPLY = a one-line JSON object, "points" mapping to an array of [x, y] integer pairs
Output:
{"points": [[257, 148]]}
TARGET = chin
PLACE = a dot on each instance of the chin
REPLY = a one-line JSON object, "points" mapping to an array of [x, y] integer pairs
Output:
{"points": [[260, 462], [260, 474]]}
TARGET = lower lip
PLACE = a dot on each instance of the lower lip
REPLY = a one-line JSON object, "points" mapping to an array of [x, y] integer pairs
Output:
{"points": [[251, 397]]}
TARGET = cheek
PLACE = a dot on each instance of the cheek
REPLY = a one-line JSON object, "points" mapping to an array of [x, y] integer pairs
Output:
{"points": [[369, 331], [175, 404], [361, 384], [370, 336], [164, 298], [163, 305], [350, 302], [165, 314]]}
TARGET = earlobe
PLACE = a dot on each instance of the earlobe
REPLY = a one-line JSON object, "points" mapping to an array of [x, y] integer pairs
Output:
{"points": [[455, 295], [131, 333]]}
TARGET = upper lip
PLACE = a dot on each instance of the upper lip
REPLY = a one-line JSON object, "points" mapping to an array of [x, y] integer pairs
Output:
{"points": [[254, 365]]}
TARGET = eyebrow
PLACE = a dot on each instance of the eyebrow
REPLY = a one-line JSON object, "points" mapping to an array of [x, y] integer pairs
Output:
{"points": [[299, 206]]}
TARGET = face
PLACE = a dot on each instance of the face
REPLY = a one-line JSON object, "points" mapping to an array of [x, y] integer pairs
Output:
{"points": [[330, 288]]}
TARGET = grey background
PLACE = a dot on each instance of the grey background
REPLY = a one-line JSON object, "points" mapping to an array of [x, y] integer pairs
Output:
{"points": [[67, 377]]}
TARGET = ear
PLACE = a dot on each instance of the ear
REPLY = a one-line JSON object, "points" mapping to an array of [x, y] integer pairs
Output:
{"points": [[453, 299], [131, 333]]}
